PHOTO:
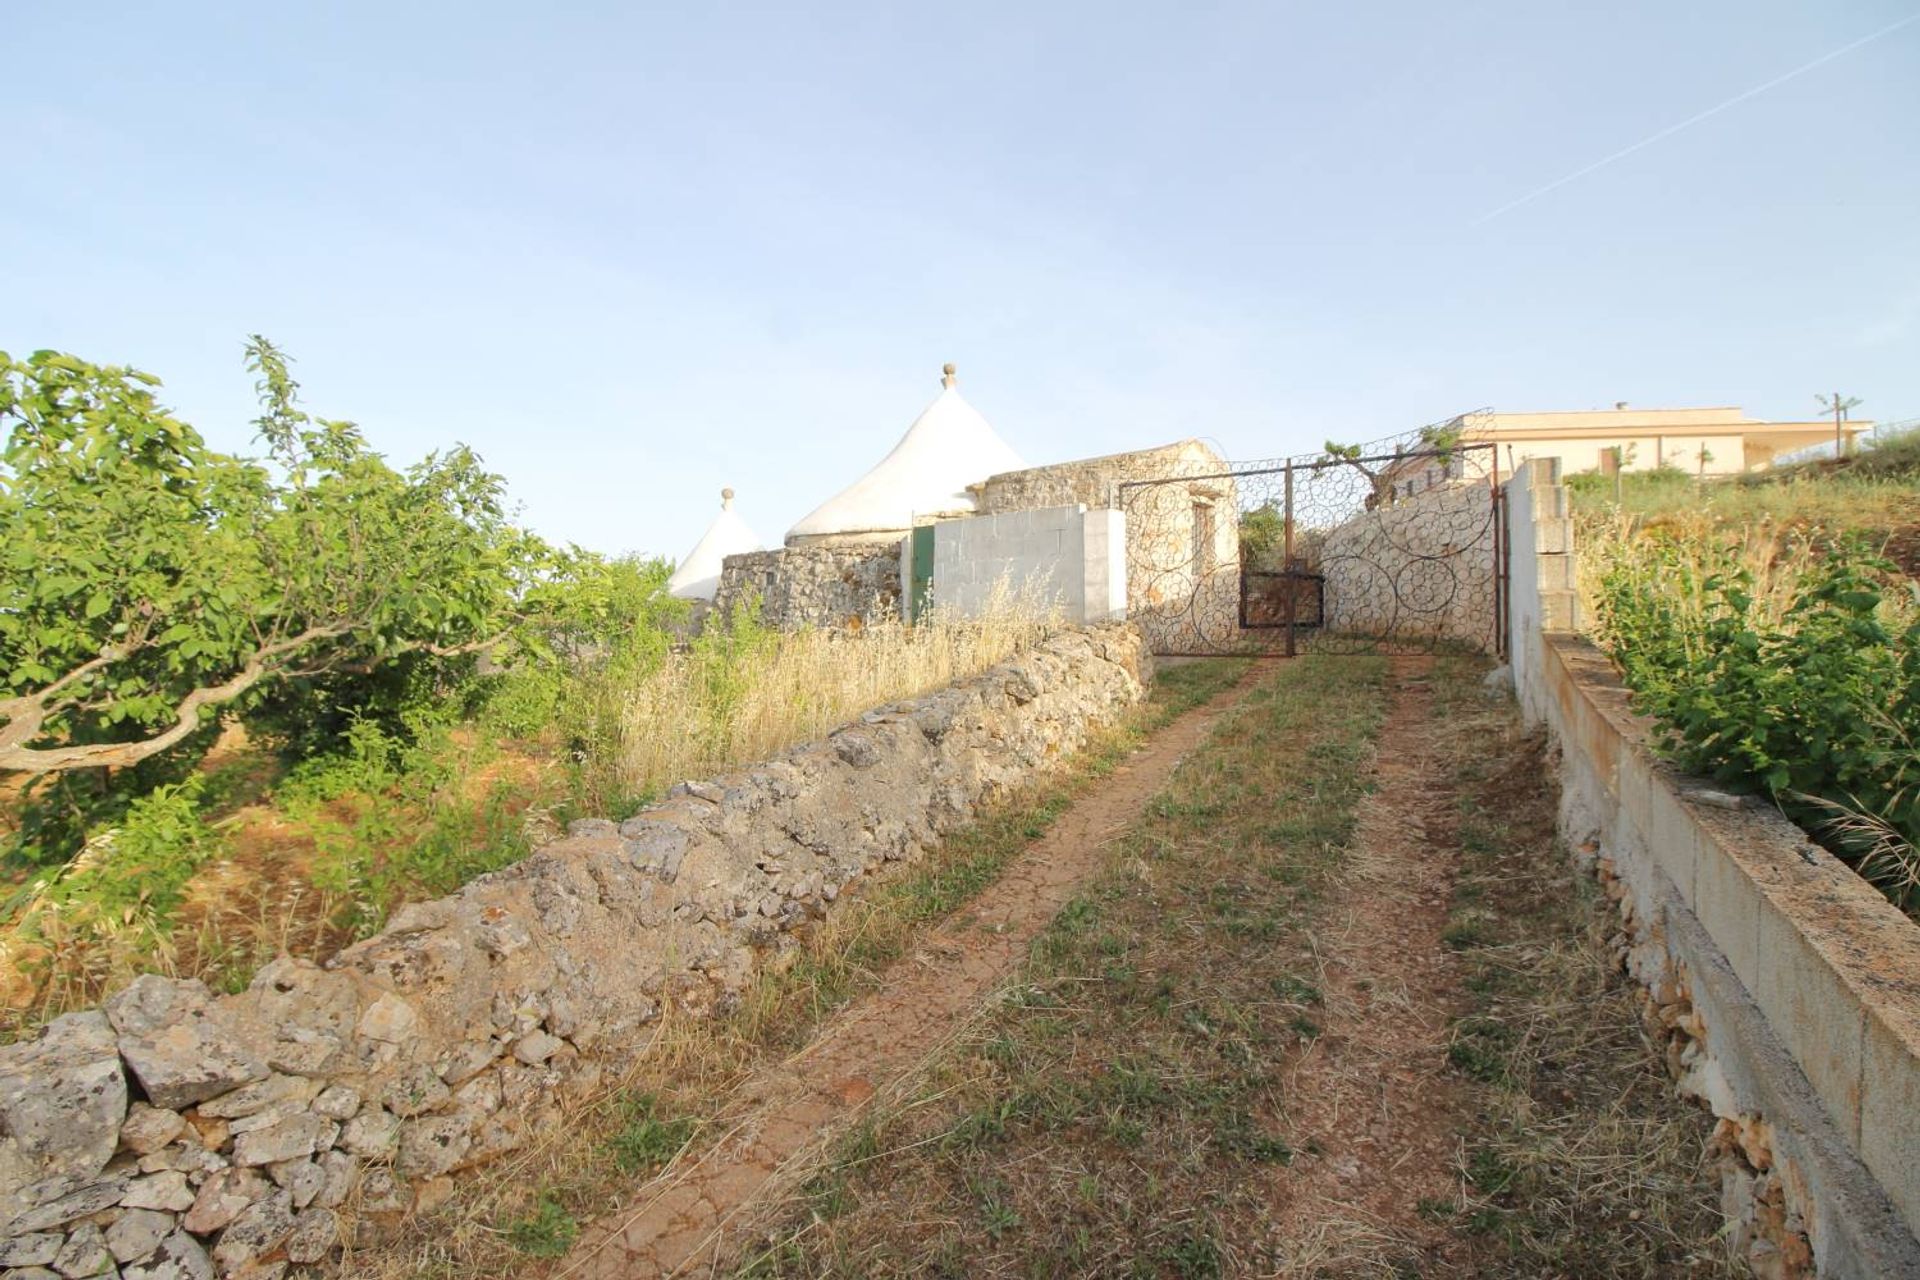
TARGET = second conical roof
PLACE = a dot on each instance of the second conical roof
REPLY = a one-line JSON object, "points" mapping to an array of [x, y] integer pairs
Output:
{"points": [[698, 576]]}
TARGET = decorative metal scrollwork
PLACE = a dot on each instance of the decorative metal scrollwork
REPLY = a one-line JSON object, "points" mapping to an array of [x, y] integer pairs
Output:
{"points": [[1393, 547]]}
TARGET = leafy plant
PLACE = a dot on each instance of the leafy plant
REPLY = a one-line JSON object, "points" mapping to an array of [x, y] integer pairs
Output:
{"points": [[646, 1141], [142, 864], [1813, 704]]}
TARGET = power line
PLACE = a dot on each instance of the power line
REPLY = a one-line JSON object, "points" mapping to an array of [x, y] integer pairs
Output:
{"points": [[1672, 129]]}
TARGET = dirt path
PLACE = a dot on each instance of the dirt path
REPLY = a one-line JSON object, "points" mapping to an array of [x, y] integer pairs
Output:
{"points": [[694, 1216], [1373, 1094]]}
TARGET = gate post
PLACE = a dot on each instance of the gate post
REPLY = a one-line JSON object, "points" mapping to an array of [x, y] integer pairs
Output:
{"points": [[1286, 558]]}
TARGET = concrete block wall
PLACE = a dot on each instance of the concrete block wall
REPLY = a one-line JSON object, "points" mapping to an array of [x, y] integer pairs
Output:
{"points": [[1789, 988], [1069, 557]]}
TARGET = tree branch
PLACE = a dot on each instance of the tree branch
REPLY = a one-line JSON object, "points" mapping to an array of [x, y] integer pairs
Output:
{"points": [[25, 725]]}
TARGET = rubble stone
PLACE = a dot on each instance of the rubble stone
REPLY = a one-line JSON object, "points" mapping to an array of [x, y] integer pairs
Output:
{"points": [[63, 1097], [177, 1043], [138, 1232]]}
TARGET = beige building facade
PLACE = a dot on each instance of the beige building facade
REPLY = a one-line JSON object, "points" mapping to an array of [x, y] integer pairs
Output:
{"points": [[1715, 442]]}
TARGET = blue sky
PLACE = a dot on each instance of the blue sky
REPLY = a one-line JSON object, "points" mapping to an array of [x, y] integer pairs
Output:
{"points": [[634, 255]]}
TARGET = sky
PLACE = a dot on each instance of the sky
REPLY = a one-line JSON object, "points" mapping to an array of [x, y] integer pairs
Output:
{"points": [[632, 254]]}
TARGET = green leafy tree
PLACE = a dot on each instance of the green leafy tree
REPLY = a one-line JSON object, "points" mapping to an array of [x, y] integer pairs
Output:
{"points": [[1263, 537], [147, 580]]}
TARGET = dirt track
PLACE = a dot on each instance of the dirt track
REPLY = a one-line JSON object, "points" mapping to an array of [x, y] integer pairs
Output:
{"points": [[697, 1214]]}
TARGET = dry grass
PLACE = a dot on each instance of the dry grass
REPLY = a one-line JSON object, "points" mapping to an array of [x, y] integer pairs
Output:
{"points": [[1778, 522], [683, 1083], [1581, 1161], [710, 709], [1778, 557]]}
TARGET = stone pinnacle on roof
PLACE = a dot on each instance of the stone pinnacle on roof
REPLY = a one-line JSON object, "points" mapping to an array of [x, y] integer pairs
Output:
{"points": [[698, 575], [948, 447]]}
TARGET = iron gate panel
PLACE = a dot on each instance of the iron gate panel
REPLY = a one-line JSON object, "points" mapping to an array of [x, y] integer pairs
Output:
{"points": [[1347, 552]]}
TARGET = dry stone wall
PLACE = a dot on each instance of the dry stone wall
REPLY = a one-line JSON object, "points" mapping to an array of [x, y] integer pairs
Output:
{"points": [[179, 1135], [1421, 567], [815, 585]]}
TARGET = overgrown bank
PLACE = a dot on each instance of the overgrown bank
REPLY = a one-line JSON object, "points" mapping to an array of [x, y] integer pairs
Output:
{"points": [[262, 851], [1771, 626]]}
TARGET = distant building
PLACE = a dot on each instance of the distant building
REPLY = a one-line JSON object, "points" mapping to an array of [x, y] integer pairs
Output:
{"points": [[952, 516], [1716, 442], [1713, 442]]}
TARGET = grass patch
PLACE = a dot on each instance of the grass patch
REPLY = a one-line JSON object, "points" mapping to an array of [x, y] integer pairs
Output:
{"points": [[547, 1232], [1118, 1113], [1581, 1160]]}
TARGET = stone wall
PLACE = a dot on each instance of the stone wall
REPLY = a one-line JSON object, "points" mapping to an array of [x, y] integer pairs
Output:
{"points": [[1783, 988], [815, 585], [1420, 568], [1094, 482], [176, 1134]]}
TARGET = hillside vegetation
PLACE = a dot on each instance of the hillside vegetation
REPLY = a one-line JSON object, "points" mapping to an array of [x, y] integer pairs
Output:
{"points": [[255, 707], [1771, 626]]}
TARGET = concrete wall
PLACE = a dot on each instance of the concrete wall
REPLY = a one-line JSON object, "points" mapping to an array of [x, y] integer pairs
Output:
{"points": [[1786, 989], [1068, 558], [1182, 553], [186, 1133]]}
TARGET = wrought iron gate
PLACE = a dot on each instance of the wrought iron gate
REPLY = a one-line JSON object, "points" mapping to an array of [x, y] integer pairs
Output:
{"points": [[1356, 551]]}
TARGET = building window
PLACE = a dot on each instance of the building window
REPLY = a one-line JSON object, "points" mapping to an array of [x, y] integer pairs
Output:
{"points": [[1203, 537]]}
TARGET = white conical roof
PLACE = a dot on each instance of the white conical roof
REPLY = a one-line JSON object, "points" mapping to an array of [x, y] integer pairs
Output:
{"points": [[698, 576], [948, 447]]}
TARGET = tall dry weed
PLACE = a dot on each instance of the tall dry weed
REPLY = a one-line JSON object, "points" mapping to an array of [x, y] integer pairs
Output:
{"points": [[721, 705]]}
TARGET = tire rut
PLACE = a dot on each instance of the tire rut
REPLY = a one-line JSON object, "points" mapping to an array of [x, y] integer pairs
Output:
{"points": [[697, 1215]]}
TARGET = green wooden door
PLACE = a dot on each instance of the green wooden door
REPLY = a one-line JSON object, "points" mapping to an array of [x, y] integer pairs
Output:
{"points": [[920, 600]]}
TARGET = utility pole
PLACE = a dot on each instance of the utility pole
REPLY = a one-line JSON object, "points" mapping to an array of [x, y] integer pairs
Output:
{"points": [[1838, 405]]}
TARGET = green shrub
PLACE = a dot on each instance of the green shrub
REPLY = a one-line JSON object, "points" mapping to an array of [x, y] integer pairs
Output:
{"points": [[142, 864], [1815, 705]]}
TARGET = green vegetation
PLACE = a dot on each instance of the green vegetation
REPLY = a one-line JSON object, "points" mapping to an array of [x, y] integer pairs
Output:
{"points": [[150, 578], [548, 1232], [1771, 626], [1814, 701]]}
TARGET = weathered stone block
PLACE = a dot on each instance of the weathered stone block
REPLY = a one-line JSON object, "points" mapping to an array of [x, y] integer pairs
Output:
{"points": [[180, 1047], [62, 1100], [179, 1257], [137, 1233], [298, 1136]]}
